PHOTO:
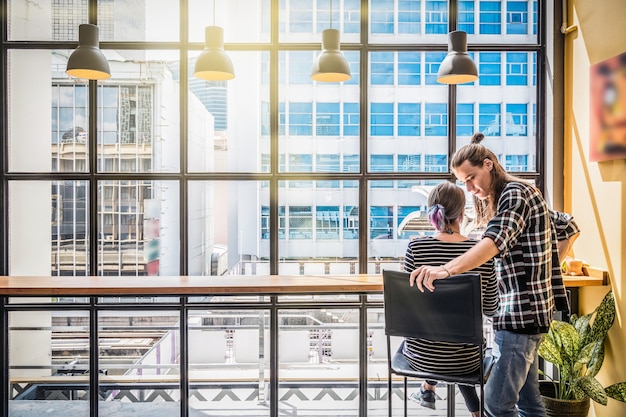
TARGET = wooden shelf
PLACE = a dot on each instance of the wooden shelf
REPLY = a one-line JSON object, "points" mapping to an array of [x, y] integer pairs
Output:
{"points": [[593, 276]]}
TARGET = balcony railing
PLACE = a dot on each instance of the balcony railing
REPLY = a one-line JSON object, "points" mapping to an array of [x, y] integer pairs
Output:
{"points": [[231, 345]]}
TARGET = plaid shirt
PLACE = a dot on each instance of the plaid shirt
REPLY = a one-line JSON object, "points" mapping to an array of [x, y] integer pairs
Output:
{"points": [[529, 275]]}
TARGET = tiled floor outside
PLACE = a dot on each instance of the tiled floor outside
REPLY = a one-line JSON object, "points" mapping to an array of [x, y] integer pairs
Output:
{"points": [[292, 408]]}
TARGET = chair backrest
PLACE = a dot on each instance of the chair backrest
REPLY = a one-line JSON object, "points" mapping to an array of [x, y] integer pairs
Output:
{"points": [[451, 313]]}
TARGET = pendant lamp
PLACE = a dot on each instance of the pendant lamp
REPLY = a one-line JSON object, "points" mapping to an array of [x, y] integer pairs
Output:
{"points": [[457, 67], [330, 66], [213, 63], [87, 60]]}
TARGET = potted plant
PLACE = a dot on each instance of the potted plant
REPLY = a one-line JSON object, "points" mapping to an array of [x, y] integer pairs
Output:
{"points": [[576, 349]]}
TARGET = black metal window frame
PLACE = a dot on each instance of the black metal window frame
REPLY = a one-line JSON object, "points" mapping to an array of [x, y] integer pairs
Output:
{"points": [[274, 176]]}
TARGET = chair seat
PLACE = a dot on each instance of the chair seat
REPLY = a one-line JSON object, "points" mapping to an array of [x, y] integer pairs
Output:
{"points": [[401, 366]]}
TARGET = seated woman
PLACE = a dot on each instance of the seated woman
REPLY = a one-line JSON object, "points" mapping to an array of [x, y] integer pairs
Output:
{"points": [[446, 204]]}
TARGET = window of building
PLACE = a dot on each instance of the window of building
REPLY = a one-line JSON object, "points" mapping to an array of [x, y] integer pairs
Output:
{"points": [[351, 164], [327, 163], [404, 211], [352, 16], [517, 17], [431, 66], [516, 68], [436, 163], [381, 222], [436, 119], [489, 68], [382, 163], [300, 222], [327, 221], [517, 119], [300, 119], [350, 119], [436, 16], [489, 119], [382, 16], [409, 68], [382, 68], [516, 163], [490, 17], [465, 119], [409, 16], [381, 119], [408, 119], [466, 16], [409, 163], [300, 67], [327, 118]]}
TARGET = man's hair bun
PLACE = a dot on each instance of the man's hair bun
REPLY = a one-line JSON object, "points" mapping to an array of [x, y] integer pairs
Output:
{"points": [[477, 138]]}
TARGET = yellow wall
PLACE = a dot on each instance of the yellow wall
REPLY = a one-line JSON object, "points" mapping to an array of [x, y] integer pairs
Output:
{"points": [[595, 191]]}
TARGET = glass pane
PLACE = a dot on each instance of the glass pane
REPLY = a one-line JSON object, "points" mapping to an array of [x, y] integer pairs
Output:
{"points": [[317, 239], [229, 229], [397, 214], [315, 117], [153, 20], [54, 369], [70, 219], [488, 21], [138, 113], [406, 133], [30, 21], [377, 363], [138, 346], [60, 134], [229, 361], [242, 24], [503, 107], [304, 21], [48, 228], [218, 139], [138, 226], [320, 346]]}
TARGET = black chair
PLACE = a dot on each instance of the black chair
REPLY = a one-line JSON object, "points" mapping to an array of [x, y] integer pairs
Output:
{"points": [[452, 313]]}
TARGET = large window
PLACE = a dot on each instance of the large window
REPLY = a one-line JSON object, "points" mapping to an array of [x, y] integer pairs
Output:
{"points": [[155, 171]]}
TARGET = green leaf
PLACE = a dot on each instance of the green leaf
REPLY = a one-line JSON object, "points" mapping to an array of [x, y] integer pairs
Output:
{"points": [[596, 358], [568, 337], [582, 327], [617, 391], [551, 346], [593, 389], [604, 317], [549, 351]]}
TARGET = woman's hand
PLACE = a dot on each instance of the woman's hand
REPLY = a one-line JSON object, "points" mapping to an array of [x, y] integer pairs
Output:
{"points": [[425, 277]]}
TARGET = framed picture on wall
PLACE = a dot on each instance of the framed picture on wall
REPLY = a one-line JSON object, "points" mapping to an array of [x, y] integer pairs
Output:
{"points": [[608, 109]]}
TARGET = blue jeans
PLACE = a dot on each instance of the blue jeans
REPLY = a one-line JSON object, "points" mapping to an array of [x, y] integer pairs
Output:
{"points": [[512, 389]]}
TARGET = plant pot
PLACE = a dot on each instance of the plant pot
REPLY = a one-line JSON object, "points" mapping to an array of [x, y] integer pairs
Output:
{"points": [[561, 408]]}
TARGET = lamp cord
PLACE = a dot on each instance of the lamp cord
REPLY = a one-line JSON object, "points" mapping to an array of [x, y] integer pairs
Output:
{"points": [[331, 14]]}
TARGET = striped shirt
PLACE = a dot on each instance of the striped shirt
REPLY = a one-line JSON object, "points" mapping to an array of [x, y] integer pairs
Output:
{"points": [[444, 357], [525, 232]]}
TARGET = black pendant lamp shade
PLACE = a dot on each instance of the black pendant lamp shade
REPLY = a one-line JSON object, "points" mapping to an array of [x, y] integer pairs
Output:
{"points": [[330, 65], [213, 63], [88, 61], [457, 67]]}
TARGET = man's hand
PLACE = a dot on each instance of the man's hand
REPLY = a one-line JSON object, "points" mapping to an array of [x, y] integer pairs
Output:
{"points": [[425, 277]]}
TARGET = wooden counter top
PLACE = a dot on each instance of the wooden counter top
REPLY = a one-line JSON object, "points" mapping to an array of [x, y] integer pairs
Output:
{"points": [[189, 285], [42, 286]]}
